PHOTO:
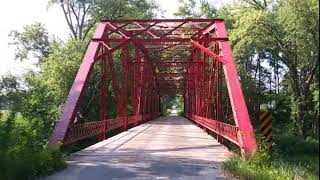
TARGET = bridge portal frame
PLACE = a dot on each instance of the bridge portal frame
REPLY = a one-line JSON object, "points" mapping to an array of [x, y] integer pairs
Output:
{"points": [[203, 39]]}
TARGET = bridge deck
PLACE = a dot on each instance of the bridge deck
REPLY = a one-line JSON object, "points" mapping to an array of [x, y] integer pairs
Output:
{"points": [[166, 148]]}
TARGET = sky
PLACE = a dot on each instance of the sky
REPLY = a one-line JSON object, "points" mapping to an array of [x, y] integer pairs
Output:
{"points": [[14, 14]]}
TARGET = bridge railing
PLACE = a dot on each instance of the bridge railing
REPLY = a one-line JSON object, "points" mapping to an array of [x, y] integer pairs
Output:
{"points": [[79, 132], [229, 132]]}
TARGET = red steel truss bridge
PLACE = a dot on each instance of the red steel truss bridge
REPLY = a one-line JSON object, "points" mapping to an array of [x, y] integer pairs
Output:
{"points": [[158, 58]]}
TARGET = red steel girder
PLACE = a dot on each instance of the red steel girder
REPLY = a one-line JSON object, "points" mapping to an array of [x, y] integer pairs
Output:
{"points": [[195, 81], [207, 51], [165, 41], [163, 20], [71, 105]]}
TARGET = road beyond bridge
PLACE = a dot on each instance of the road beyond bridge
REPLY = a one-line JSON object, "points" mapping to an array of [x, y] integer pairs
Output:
{"points": [[165, 148]]}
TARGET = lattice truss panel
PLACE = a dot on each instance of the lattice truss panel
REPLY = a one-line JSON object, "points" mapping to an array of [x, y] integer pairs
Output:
{"points": [[159, 58]]}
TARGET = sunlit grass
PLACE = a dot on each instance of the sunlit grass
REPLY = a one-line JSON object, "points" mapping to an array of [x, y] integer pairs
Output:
{"points": [[291, 158], [274, 170]]}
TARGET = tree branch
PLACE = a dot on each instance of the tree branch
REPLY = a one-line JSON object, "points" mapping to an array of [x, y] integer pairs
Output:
{"points": [[66, 17], [76, 16]]}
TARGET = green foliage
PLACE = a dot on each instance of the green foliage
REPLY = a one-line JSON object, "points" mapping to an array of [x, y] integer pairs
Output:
{"points": [[291, 157], [264, 171], [23, 162], [166, 112], [167, 103], [180, 113], [47, 91], [118, 9], [22, 152], [81, 16], [10, 92], [275, 45], [258, 167], [315, 93], [187, 9], [33, 39]]}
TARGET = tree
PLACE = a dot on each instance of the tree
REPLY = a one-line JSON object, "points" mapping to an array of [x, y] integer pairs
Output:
{"points": [[187, 9], [33, 39], [82, 15], [276, 46], [289, 33]]}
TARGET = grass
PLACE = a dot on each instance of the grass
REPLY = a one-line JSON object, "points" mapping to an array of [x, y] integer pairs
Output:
{"points": [[272, 170], [290, 158]]}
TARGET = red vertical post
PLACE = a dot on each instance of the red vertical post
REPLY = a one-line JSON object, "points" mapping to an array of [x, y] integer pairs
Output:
{"points": [[159, 104], [186, 100], [190, 92], [137, 86], [124, 86], [194, 93], [145, 102], [196, 83], [239, 108], [145, 90], [218, 96], [114, 81], [103, 100], [218, 92], [206, 79], [201, 83], [154, 100], [212, 81], [149, 102]]}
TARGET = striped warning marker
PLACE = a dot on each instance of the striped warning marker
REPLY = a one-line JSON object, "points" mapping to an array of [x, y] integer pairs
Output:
{"points": [[266, 126]]}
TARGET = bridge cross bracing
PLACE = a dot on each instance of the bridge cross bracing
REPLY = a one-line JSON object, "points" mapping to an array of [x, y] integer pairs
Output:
{"points": [[158, 58]]}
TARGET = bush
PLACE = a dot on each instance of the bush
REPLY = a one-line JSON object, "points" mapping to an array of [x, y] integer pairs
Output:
{"points": [[290, 158], [23, 152], [180, 113], [27, 163], [254, 168]]}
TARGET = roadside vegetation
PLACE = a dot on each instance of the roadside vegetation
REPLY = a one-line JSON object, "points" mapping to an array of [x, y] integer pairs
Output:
{"points": [[290, 158]]}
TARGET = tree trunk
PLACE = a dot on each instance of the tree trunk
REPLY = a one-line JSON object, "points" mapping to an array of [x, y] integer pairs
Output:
{"points": [[296, 112]]}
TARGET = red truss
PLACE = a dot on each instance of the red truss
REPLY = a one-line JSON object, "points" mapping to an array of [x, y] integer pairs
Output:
{"points": [[158, 58]]}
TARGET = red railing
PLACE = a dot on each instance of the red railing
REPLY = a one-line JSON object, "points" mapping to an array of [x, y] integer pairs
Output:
{"points": [[82, 131], [227, 131]]}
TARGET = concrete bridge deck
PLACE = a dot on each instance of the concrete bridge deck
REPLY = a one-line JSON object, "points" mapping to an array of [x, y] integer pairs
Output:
{"points": [[165, 148]]}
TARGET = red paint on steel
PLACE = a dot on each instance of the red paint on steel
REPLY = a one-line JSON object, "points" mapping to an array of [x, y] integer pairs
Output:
{"points": [[197, 50], [207, 51], [71, 105], [239, 108], [103, 100], [123, 112]]}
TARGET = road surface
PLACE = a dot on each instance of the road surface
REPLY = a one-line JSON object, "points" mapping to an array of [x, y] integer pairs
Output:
{"points": [[165, 148]]}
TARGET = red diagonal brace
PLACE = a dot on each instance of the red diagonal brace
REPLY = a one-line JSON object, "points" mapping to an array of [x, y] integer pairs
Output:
{"points": [[79, 85], [207, 51], [238, 104]]}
